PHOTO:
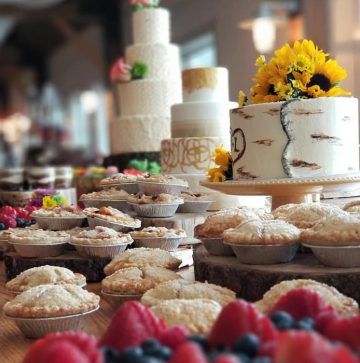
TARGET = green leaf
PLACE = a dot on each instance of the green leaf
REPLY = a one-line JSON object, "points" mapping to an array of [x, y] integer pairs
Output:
{"points": [[138, 70]]}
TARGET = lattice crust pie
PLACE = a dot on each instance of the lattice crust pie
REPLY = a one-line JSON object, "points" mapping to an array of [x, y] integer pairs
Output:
{"points": [[60, 211], [194, 197], [343, 305], [262, 233], [108, 194], [216, 223], [154, 199], [46, 301], [334, 231], [137, 280], [101, 236], [138, 257], [39, 236], [196, 315], [45, 275], [113, 215], [151, 232], [352, 207], [306, 215], [164, 179], [118, 179], [189, 290]]}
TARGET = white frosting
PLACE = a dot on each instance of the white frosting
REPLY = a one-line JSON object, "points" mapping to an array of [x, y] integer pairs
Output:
{"points": [[162, 60], [14, 179], [323, 138], [151, 26], [63, 172], [139, 133], [39, 170], [188, 155], [217, 92]]}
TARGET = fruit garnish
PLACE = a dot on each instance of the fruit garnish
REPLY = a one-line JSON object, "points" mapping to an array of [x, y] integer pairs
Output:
{"points": [[227, 358], [324, 319], [131, 325], [308, 347], [67, 347], [301, 303], [174, 336], [188, 353], [238, 318]]}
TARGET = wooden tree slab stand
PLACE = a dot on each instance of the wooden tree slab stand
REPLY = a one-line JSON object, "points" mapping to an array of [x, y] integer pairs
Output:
{"points": [[252, 281]]}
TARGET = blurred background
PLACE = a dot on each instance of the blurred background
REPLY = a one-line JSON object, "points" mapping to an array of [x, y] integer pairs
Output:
{"points": [[55, 55]]}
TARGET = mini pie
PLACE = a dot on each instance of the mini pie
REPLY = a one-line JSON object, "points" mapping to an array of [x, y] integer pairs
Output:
{"points": [[343, 305], [136, 280], [306, 215], [43, 275], [158, 232], [352, 207], [258, 232], [39, 236], [196, 315], [194, 197], [216, 223], [154, 199], [101, 236], [49, 301], [76, 230], [137, 257], [60, 212], [111, 214], [189, 290], [163, 179], [108, 194], [334, 231], [119, 179]]}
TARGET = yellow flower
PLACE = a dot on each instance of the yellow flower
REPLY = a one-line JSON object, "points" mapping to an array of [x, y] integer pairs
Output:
{"points": [[216, 175], [221, 156], [242, 99], [48, 202], [308, 48], [260, 61], [285, 91]]}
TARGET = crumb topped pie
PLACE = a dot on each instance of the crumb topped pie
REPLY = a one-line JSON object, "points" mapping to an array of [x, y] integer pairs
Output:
{"points": [[71, 211], [47, 301], [39, 236], [260, 232], [198, 315], [192, 196], [163, 179], [119, 178], [184, 289], [113, 215], [108, 194], [158, 232], [141, 257], [136, 280], [43, 275], [154, 199], [352, 207]]}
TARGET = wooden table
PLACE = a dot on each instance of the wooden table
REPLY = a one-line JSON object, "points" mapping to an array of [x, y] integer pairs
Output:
{"points": [[14, 346]]}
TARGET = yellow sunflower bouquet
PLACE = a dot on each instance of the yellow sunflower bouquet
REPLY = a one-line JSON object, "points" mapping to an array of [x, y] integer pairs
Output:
{"points": [[222, 158], [300, 71]]}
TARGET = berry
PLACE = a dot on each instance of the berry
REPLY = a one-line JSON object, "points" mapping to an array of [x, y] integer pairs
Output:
{"points": [[153, 348], [110, 355], [130, 355], [227, 358], [238, 318], [199, 339], [22, 213], [188, 352], [282, 320], [8, 211], [20, 222], [323, 320], [66, 347], [262, 360], [248, 344], [130, 326], [300, 303], [174, 336], [9, 222], [31, 209], [2, 226], [305, 324]]}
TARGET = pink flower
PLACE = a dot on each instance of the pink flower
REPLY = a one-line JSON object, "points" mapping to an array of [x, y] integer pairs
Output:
{"points": [[120, 71], [141, 2]]}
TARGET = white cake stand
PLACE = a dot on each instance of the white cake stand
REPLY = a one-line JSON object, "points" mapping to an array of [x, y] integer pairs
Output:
{"points": [[287, 190]]}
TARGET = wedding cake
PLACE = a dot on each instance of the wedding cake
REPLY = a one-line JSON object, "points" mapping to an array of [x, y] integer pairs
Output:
{"points": [[143, 118]]}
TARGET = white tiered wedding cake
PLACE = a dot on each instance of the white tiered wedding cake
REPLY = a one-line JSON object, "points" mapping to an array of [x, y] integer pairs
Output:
{"points": [[144, 118]]}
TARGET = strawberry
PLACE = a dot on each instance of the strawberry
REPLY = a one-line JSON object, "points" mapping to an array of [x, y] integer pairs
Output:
{"points": [[301, 303], [67, 347], [173, 337], [188, 353], [324, 319], [131, 325], [346, 331], [9, 222], [238, 318], [227, 358], [306, 347]]}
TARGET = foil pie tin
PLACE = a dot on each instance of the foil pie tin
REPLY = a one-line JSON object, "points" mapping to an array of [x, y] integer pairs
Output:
{"points": [[216, 246], [4, 245], [159, 210], [100, 251], [152, 188], [131, 188], [336, 256], [194, 206], [98, 203], [39, 250], [39, 327], [118, 299], [59, 223], [164, 243], [94, 222], [264, 254]]}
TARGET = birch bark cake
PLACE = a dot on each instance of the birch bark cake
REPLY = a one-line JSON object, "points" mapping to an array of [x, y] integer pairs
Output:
{"points": [[297, 125]]}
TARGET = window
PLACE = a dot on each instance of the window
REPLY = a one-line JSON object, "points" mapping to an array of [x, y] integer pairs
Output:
{"points": [[199, 52]]}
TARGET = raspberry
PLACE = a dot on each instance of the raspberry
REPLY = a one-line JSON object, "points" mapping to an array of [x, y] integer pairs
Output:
{"points": [[188, 353], [8, 211], [173, 336], [9, 222], [67, 347]]}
